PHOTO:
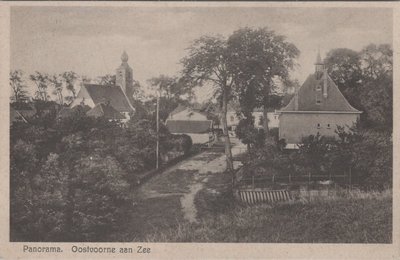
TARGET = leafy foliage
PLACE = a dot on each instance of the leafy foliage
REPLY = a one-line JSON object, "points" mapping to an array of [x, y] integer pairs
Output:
{"points": [[71, 178], [366, 80], [18, 87]]}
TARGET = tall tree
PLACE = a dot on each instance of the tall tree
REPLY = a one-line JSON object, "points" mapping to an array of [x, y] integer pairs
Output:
{"points": [[40, 79], [377, 94], [344, 67], [208, 63], [18, 87], [70, 78], [170, 87], [376, 60], [259, 57], [56, 82]]}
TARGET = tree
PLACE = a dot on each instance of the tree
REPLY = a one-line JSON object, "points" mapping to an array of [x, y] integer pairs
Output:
{"points": [[17, 86], [376, 60], [377, 94], [107, 79], [41, 82], [56, 82], [258, 59], [377, 100], [170, 87], [69, 78], [344, 67], [208, 63]]}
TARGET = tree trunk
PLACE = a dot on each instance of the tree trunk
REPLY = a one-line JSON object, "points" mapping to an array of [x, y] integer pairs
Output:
{"points": [[228, 152], [265, 122]]}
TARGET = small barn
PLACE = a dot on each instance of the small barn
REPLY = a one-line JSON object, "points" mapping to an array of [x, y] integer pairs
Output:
{"points": [[317, 106], [199, 130]]}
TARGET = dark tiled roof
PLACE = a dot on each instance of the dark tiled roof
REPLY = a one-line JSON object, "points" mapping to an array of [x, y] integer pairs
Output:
{"points": [[106, 111], [113, 94], [307, 93], [189, 126]]}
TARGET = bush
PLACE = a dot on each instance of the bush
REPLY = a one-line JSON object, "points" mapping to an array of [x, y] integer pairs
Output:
{"points": [[365, 155]]}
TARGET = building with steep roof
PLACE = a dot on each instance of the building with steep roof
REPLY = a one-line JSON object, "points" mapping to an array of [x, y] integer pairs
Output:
{"points": [[199, 130], [116, 96], [187, 113], [317, 106]]}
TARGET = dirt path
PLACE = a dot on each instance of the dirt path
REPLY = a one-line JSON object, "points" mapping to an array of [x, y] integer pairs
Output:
{"points": [[175, 189]]}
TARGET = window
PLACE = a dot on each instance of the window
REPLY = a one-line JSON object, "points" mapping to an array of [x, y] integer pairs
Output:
{"points": [[318, 87], [318, 125], [329, 126], [232, 118], [318, 102]]}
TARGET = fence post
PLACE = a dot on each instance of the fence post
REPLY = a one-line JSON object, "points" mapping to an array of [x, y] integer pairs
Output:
{"points": [[290, 178], [273, 179], [252, 181], [309, 178]]}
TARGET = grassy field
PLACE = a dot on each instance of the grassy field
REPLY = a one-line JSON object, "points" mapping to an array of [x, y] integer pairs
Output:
{"points": [[355, 218]]}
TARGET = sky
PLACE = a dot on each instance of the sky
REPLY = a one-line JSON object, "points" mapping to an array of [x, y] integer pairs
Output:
{"points": [[90, 40]]}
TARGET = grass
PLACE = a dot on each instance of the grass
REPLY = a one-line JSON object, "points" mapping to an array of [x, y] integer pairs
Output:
{"points": [[358, 217]]}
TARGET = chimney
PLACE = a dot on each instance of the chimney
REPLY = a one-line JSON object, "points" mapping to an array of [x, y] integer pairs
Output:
{"points": [[325, 79]]}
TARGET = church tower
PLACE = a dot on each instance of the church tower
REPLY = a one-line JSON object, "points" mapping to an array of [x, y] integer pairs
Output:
{"points": [[124, 76]]}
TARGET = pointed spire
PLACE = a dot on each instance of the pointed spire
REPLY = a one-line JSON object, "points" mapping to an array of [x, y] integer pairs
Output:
{"points": [[319, 60], [124, 57], [319, 65]]}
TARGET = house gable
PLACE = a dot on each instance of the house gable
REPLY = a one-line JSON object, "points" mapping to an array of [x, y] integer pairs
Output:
{"points": [[188, 114], [310, 97]]}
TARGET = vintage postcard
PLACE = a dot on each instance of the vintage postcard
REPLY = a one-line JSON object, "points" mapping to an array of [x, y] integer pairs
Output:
{"points": [[214, 130]]}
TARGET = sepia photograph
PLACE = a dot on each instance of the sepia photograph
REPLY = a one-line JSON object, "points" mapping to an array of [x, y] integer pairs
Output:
{"points": [[200, 124]]}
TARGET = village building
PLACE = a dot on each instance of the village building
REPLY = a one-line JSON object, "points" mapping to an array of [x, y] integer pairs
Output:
{"points": [[112, 97], [317, 106], [187, 113], [191, 121], [201, 131], [233, 119]]}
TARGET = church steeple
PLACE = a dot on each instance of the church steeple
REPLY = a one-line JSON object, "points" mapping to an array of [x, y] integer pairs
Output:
{"points": [[124, 77], [319, 65], [124, 57]]}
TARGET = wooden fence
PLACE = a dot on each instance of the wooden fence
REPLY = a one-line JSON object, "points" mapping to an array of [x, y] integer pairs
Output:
{"points": [[252, 196], [289, 179]]}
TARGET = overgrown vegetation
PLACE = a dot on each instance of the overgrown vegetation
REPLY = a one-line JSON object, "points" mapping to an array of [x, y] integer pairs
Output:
{"points": [[353, 218], [71, 178]]}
